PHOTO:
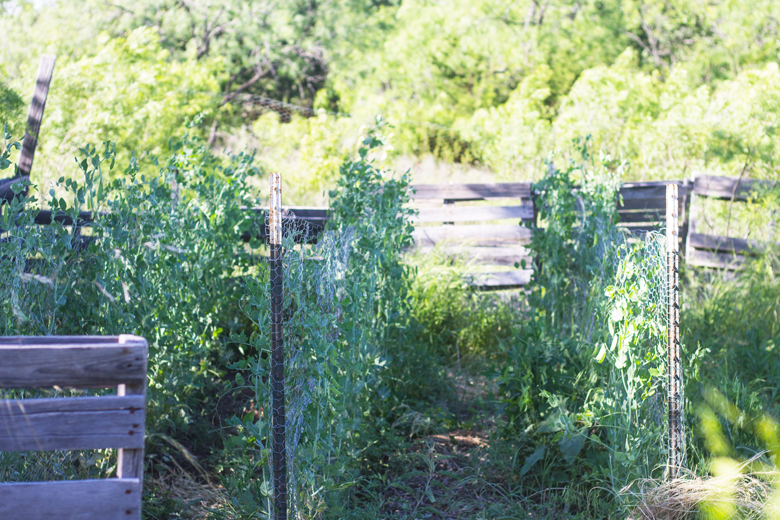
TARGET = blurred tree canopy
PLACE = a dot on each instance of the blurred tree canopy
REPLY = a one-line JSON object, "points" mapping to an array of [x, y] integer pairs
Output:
{"points": [[670, 85]]}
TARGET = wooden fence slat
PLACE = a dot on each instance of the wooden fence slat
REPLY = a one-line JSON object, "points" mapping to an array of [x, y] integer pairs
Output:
{"points": [[725, 188], [130, 459], [500, 280], [724, 244], [642, 228], [483, 234], [649, 190], [307, 213], [107, 499], [640, 216], [45, 217], [464, 192], [97, 365], [60, 340], [35, 116], [642, 203], [451, 213], [726, 261], [79, 423], [504, 256], [6, 188]]}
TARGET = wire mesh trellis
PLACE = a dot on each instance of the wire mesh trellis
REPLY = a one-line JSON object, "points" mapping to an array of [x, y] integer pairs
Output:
{"points": [[631, 268], [306, 286]]}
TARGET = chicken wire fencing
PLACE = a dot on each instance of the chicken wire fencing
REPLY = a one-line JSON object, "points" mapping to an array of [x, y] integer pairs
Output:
{"points": [[641, 400], [305, 288], [626, 283]]}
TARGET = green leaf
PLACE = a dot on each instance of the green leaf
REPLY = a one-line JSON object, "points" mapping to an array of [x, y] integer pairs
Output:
{"points": [[571, 445], [535, 457]]}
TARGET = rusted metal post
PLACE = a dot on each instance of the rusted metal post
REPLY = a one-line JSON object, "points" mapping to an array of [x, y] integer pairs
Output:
{"points": [[676, 447], [278, 421]]}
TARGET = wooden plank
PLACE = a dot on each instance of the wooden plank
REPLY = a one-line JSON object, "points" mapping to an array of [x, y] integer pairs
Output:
{"points": [[450, 213], [642, 203], [725, 188], [65, 340], [642, 228], [501, 280], [640, 216], [305, 213], [108, 499], [6, 190], [304, 223], [97, 365], [45, 217], [505, 256], [35, 116], [727, 261], [724, 244], [482, 234], [78, 423], [649, 190], [302, 230], [463, 192], [130, 462]]}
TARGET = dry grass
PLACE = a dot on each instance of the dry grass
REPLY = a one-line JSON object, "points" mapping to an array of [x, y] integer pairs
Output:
{"points": [[737, 493], [197, 500]]}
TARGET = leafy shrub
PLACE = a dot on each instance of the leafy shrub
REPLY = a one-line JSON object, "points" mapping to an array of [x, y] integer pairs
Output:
{"points": [[159, 260], [342, 299]]}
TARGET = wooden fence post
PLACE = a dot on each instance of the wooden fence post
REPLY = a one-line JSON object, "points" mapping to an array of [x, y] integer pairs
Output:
{"points": [[35, 116]]}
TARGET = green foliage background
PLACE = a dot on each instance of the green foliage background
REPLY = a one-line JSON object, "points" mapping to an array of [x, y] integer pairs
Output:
{"points": [[499, 90], [671, 86]]}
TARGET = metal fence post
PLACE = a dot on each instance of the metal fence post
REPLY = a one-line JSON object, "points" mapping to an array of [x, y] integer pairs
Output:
{"points": [[676, 445], [277, 350]]}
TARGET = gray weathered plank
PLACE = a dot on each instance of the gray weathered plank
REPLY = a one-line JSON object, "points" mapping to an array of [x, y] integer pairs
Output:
{"points": [[727, 261], [725, 188], [455, 192], [35, 116], [649, 190], [483, 234], [78, 423], [305, 213], [641, 216], [723, 244], [500, 280], [47, 217], [65, 340], [108, 499], [505, 256], [6, 188], [97, 365], [452, 213], [130, 462], [642, 203]]}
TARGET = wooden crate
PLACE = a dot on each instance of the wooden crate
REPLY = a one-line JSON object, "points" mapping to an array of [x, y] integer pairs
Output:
{"points": [[75, 423]]}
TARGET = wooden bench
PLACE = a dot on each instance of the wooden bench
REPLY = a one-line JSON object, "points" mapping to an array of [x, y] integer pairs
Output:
{"points": [[464, 230], [75, 423], [715, 251]]}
